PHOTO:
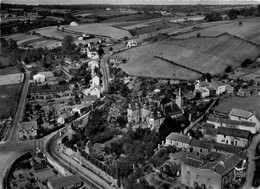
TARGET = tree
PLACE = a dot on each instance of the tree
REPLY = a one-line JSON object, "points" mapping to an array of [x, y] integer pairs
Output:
{"points": [[233, 14], [229, 69], [67, 42], [246, 63], [213, 16], [100, 51]]}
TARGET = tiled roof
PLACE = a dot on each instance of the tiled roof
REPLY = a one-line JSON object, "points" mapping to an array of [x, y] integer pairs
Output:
{"points": [[227, 148], [211, 88], [231, 122], [211, 132], [224, 167], [233, 132], [178, 137], [193, 162], [47, 74], [240, 113], [208, 126], [65, 181], [28, 125], [204, 84], [201, 143]]}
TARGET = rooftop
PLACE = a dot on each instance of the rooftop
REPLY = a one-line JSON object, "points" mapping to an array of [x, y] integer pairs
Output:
{"points": [[231, 122], [227, 148], [178, 137], [234, 132], [201, 143], [28, 125], [240, 113], [65, 181]]}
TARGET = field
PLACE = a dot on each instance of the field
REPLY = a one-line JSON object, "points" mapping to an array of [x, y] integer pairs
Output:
{"points": [[45, 43], [249, 103], [207, 55], [100, 29], [4, 61], [53, 32], [129, 18], [9, 70], [249, 30], [9, 96], [105, 13], [11, 79]]}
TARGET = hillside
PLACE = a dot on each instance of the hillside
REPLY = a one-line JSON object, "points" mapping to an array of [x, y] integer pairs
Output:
{"points": [[204, 54]]}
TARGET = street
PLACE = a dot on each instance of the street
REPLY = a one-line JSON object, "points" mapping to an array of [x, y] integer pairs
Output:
{"points": [[105, 70], [251, 165], [13, 148]]}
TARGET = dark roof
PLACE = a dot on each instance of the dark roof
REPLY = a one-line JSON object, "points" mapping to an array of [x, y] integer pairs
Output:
{"points": [[227, 148], [223, 168], [193, 162], [178, 137], [211, 132], [91, 97], [208, 126], [65, 181], [201, 143], [234, 132], [231, 122]]}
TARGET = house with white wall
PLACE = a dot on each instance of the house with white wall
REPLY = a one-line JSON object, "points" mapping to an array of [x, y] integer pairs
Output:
{"points": [[94, 90], [232, 136], [95, 80], [244, 115], [178, 140], [219, 86]]}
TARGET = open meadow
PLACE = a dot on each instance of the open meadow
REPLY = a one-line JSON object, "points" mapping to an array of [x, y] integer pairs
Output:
{"points": [[9, 98], [251, 103], [53, 32], [100, 29], [249, 30], [207, 55]]}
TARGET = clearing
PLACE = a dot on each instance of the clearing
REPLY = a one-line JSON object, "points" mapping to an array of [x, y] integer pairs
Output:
{"points": [[251, 103], [9, 97], [249, 30], [207, 55], [11, 79], [100, 29]]}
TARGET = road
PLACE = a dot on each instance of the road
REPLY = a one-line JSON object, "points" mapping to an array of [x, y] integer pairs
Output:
{"points": [[251, 165], [13, 148], [105, 70], [91, 180]]}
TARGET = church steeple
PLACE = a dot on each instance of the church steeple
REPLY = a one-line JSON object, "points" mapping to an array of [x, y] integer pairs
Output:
{"points": [[179, 98]]}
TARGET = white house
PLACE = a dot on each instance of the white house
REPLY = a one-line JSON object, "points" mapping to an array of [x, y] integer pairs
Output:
{"points": [[244, 115], [93, 64], [219, 86], [95, 80], [178, 140], [93, 91], [131, 43], [74, 24], [92, 54], [231, 136], [238, 124], [39, 79]]}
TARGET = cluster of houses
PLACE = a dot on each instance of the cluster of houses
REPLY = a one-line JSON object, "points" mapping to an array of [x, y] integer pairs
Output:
{"points": [[218, 157], [215, 87], [152, 112]]}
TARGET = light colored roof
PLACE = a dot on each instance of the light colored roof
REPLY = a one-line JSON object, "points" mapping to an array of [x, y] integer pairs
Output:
{"points": [[47, 74], [178, 137], [65, 181], [95, 86], [240, 113], [28, 125]]}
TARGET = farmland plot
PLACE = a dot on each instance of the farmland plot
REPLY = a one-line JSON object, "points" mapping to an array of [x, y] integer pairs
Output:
{"points": [[249, 30], [206, 55], [100, 29]]}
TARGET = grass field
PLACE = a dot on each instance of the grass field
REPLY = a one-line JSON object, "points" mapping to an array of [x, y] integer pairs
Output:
{"points": [[100, 29], [249, 103], [53, 32], [9, 97], [249, 30], [207, 55], [9, 70], [4, 60]]}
